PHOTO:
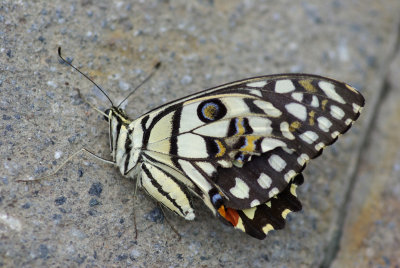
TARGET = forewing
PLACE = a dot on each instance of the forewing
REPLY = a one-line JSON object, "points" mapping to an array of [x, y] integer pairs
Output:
{"points": [[250, 138]]}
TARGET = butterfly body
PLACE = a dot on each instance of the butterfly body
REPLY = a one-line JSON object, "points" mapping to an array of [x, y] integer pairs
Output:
{"points": [[240, 147]]}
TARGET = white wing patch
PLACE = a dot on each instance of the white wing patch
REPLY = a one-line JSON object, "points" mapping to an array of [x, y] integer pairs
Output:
{"points": [[235, 106], [264, 181], [329, 90], [302, 159], [207, 167], [273, 192], [268, 108], [314, 102], [319, 146], [276, 162], [189, 118], [254, 203], [356, 108], [217, 129], [256, 92], [269, 144], [285, 131], [284, 86], [337, 112], [309, 136], [191, 146], [297, 96], [257, 84], [241, 189], [289, 175], [260, 125], [298, 110], [324, 123], [335, 134]]}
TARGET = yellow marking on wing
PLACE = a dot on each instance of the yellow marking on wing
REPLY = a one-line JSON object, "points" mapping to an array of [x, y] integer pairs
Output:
{"points": [[352, 89], [311, 118], [306, 83], [323, 104], [267, 228], [240, 225], [294, 125], [250, 145], [293, 189], [239, 126], [285, 213], [221, 148], [210, 111], [250, 212]]}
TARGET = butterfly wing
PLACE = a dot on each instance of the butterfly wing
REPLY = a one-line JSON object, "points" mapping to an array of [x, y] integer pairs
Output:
{"points": [[222, 136], [240, 146]]}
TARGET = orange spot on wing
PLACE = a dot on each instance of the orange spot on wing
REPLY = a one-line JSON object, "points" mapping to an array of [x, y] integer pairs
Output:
{"points": [[229, 214]]}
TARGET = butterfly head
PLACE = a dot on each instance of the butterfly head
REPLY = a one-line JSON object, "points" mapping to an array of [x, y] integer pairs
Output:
{"points": [[118, 123], [117, 113]]}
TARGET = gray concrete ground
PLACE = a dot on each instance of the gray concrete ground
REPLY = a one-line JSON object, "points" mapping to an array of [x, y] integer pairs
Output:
{"points": [[84, 215]]}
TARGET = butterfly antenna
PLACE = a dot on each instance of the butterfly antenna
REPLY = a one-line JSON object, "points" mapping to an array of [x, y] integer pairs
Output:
{"points": [[76, 69], [155, 68]]}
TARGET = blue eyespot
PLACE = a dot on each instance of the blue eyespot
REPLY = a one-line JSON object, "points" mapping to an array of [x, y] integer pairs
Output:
{"points": [[211, 110], [215, 198]]}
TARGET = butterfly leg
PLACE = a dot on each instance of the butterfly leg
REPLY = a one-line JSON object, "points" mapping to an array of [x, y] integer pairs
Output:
{"points": [[166, 219]]}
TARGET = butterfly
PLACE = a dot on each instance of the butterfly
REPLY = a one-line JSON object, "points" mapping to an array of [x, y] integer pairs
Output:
{"points": [[240, 147]]}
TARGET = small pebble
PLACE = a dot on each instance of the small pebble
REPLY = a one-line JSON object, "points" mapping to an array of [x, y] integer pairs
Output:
{"points": [[57, 154]]}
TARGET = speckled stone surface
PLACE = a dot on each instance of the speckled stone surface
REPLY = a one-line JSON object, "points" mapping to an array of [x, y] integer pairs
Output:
{"points": [[84, 215], [371, 233]]}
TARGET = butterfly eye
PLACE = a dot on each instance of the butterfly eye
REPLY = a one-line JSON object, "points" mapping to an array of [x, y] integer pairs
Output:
{"points": [[211, 110], [107, 112]]}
